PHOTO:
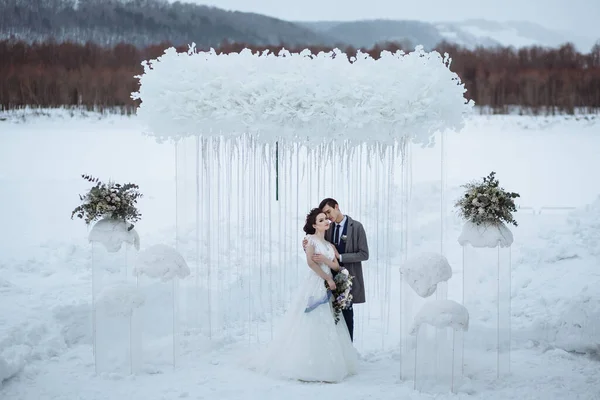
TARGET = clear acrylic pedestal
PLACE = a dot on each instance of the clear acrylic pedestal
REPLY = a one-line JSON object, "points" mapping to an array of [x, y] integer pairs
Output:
{"points": [[487, 295], [158, 271], [423, 276], [439, 333], [115, 299], [438, 359], [159, 324]]}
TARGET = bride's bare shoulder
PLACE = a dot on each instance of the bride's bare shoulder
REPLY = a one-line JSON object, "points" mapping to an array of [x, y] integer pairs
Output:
{"points": [[311, 239], [314, 241]]}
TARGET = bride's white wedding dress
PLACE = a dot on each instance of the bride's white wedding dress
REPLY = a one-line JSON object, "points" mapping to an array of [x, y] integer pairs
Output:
{"points": [[310, 346]]}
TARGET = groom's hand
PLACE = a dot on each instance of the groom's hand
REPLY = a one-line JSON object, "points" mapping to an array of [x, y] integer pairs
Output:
{"points": [[304, 243], [318, 258]]}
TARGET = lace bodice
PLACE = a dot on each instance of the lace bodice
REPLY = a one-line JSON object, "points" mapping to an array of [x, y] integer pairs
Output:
{"points": [[322, 247]]}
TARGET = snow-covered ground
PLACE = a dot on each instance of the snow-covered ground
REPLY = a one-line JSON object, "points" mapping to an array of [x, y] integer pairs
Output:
{"points": [[45, 274]]}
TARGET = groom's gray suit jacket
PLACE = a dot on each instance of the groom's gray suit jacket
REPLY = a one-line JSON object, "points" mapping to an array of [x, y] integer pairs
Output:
{"points": [[357, 250]]}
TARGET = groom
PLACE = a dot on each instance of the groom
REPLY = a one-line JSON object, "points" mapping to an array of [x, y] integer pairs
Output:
{"points": [[350, 240]]}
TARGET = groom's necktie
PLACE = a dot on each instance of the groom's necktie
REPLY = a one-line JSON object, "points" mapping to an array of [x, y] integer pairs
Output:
{"points": [[336, 235]]}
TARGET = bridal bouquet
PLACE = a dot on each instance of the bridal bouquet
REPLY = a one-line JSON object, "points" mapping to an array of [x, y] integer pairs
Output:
{"points": [[342, 298], [110, 200], [487, 202]]}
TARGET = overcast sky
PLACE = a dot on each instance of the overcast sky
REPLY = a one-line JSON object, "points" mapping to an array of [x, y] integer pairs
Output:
{"points": [[577, 16]]}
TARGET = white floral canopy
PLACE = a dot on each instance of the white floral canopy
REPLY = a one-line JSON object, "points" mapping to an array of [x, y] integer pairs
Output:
{"points": [[301, 96]]}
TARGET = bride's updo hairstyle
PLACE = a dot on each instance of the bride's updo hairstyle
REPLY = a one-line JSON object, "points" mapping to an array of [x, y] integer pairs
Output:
{"points": [[311, 219]]}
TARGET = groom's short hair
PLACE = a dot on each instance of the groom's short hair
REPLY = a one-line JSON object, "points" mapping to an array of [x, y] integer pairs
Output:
{"points": [[328, 202]]}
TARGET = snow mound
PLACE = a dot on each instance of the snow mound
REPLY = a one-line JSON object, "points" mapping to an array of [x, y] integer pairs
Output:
{"points": [[576, 327], [74, 322], [112, 233], [442, 314], [5, 285], [485, 235], [12, 361], [161, 262], [119, 299], [585, 223], [8, 370], [424, 271]]}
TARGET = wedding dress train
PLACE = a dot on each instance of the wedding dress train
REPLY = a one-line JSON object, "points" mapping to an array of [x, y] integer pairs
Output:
{"points": [[310, 346]]}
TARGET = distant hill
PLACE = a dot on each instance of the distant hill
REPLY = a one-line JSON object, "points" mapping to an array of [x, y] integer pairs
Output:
{"points": [[371, 32], [470, 33], [518, 34], [144, 22]]}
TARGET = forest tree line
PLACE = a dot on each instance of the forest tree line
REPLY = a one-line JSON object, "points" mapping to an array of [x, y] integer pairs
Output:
{"points": [[535, 79]]}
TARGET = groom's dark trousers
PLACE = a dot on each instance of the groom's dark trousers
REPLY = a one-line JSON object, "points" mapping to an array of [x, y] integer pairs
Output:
{"points": [[349, 318]]}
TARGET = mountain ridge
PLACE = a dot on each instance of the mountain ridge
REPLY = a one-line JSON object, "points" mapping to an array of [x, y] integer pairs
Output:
{"points": [[148, 22], [145, 22], [469, 33]]}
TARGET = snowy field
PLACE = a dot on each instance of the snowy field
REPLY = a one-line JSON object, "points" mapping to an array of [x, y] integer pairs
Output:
{"points": [[45, 275]]}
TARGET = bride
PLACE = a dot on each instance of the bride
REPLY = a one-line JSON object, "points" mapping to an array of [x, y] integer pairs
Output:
{"points": [[310, 346]]}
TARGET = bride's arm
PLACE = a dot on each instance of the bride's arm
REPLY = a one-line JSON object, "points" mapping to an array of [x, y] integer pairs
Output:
{"points": [[310, 251]]}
